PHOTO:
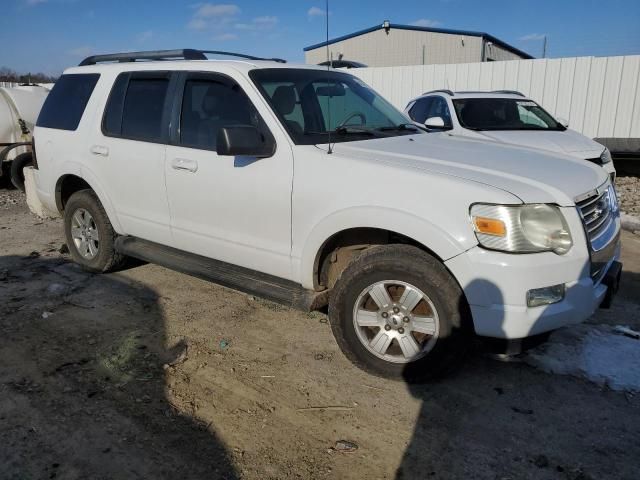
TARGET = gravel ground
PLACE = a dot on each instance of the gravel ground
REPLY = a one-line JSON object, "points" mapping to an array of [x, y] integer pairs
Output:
{"points": [[148, 373], [10, 198], [629, 192]]}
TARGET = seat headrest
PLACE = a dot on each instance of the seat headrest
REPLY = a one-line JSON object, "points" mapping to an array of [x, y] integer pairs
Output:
{"points": [[284, 99], [211, 100]]}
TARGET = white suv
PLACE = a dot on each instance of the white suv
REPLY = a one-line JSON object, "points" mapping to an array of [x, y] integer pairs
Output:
{"points": [[305, 186], [504, 116]]}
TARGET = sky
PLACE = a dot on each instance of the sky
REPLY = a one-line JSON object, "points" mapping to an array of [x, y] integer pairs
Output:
{"points": [[51, 35]]}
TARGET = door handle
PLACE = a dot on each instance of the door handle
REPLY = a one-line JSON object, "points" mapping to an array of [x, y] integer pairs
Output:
{"points": [[184, 164], [100, 150]]}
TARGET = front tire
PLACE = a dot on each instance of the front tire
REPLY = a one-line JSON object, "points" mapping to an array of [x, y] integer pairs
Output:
{"points": [[89, 233], [397, 312]]}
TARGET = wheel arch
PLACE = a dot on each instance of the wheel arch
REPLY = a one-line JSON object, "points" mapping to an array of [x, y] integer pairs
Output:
{"points": [[70, 183], [360, 227]]}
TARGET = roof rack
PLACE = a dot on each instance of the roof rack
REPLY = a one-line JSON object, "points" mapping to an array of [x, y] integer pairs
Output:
{"points": [[442, 90], [510, 92], [182, 54]]}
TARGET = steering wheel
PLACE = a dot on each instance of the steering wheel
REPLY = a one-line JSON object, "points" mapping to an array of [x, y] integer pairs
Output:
{"points": [[363, 118]]}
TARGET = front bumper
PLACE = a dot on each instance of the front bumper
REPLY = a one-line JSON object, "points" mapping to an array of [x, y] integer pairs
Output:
{"points": [[495, 285]]}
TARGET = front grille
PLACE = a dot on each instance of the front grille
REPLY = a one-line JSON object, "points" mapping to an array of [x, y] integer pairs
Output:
{"points": [[596, 214], [599, 214]]}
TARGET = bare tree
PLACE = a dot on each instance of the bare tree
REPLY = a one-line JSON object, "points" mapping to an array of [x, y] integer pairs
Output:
{"points": [[9, 75]]}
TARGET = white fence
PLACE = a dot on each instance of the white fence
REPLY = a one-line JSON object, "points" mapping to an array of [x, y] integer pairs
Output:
{"points": [[600, 96]]}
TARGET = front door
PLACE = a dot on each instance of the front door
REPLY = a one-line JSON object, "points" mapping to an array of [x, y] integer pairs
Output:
{"points": [[233, 209]]}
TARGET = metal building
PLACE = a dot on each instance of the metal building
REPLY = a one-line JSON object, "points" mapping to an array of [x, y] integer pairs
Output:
{"points": [[390, 45]]}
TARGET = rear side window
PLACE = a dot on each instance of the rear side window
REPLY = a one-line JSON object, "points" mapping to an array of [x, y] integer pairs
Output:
{"points": [[65, 105], [135, 108]]}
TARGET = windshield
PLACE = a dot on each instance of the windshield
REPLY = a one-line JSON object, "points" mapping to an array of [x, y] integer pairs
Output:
{"points": [[503, 114], [312, 103]]}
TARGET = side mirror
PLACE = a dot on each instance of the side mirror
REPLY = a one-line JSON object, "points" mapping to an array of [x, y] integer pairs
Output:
{"points": [[434, 122], [563, 121], [245, 141]]}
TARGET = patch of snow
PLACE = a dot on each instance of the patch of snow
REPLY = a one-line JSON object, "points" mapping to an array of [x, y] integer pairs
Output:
{"points": [[595, 352], [630, 222]]}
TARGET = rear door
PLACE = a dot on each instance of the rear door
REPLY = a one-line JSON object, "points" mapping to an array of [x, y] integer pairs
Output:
{"points": [[128, 152], [234, 209]]}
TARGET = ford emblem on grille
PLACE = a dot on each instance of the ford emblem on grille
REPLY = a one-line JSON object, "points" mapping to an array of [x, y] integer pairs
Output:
{"points": [[597, 212]]}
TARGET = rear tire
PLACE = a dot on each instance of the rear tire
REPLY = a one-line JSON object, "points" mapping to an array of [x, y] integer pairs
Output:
{"points": [[17, 166], [89, 233], [416, 331], [5, 178]]}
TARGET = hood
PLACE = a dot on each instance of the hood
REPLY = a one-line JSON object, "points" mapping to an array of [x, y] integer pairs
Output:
{"points": [[568, 141], [532, 175]]}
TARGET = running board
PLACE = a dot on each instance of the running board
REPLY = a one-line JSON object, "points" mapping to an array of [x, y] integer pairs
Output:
{"points": [[246, 280]]}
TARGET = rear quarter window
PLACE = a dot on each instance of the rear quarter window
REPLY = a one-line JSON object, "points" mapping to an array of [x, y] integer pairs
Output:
{"points": [[65, 105]]}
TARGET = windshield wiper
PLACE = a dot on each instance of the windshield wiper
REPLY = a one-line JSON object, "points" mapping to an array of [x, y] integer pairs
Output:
{"points": [[345, 130], [409, 127]]}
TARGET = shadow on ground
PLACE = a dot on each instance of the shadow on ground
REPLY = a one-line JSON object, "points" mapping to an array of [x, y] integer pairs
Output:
{"points": [[82, 381], [511, 421]]}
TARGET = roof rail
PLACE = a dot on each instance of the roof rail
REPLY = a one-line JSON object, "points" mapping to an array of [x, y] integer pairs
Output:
{"points": [[182, 54], [510, 92], [242, 55], [442, 90]]}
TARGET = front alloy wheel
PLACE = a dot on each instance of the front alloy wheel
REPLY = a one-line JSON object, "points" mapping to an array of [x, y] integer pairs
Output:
{"points": [[396, 321], [397, 312]]}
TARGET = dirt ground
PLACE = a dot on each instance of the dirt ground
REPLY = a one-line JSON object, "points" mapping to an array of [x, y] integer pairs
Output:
{"points": [[148, 373]]}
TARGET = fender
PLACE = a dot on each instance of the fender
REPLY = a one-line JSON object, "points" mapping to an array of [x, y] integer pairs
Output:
{"points": [[440, 241], [72, 168]]}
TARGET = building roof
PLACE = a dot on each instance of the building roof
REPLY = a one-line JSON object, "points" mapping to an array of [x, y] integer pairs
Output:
{"points": [[468, 33]]}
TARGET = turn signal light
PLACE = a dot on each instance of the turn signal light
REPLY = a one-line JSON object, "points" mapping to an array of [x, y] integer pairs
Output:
{"points": [[490, 226]]}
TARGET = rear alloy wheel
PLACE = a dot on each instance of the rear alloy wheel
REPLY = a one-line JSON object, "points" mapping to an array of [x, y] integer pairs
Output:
{"points": [[397, 312], [85, 234], [90, 236]]}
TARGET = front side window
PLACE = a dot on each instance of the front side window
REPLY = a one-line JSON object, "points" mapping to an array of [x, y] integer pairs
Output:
{"points": [[66, 102], [207, 106], [503, 114], [420, 110], [439, 108], [313, 104], [135, 107]]}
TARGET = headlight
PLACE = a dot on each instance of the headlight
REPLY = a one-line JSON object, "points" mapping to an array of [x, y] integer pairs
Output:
{"points": [[521, 228], [605, 156]]}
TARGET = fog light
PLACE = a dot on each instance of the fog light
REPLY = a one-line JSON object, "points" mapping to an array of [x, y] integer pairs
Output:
{"points": [[545, 296]]}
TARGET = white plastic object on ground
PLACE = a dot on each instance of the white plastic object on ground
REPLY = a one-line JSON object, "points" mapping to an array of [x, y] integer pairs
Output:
{"points": [[33, 202]]}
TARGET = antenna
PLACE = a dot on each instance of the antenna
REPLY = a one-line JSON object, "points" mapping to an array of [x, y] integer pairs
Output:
{"points": [[329, 65]]}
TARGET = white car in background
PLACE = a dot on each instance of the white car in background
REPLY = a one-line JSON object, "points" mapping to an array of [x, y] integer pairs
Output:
{"points": [[507, 117]]}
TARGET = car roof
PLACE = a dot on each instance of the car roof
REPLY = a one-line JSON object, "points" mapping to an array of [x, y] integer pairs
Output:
{"points": [[473, 94]]}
